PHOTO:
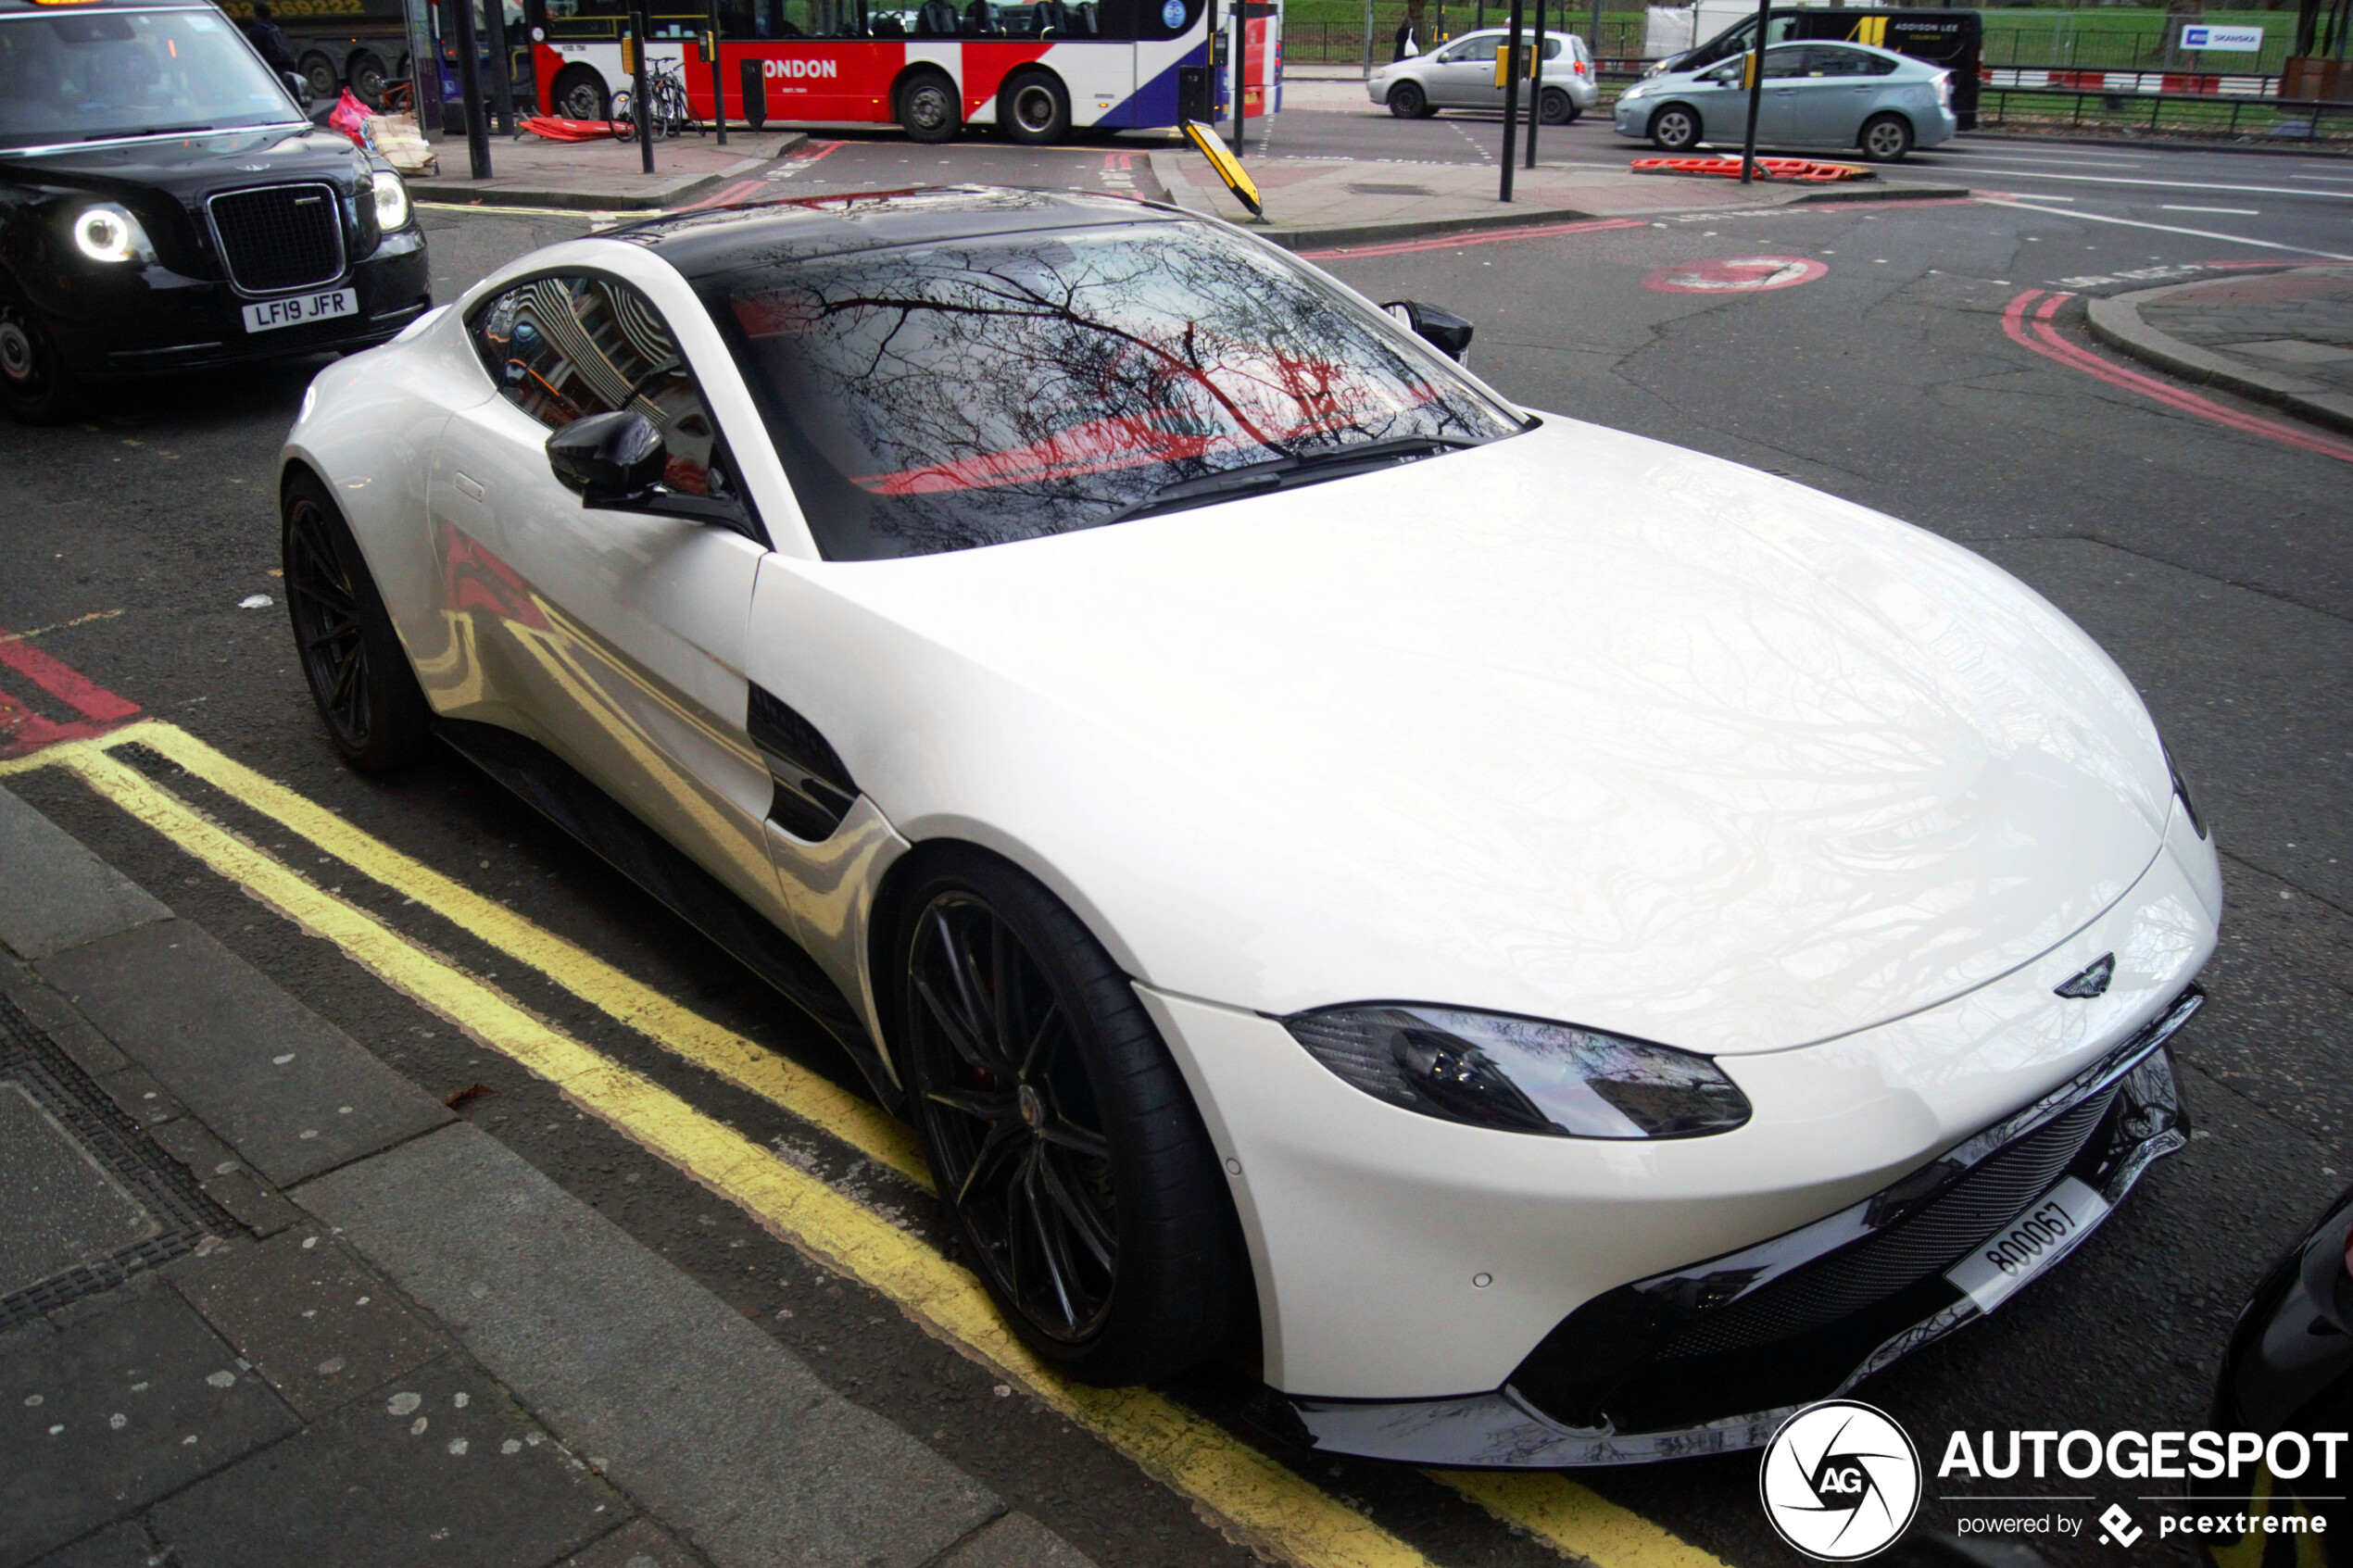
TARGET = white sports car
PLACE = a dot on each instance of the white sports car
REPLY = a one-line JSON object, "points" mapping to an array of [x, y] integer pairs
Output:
{"points": [[1571, 946]]}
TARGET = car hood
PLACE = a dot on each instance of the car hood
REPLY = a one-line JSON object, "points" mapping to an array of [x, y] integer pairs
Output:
{"points": [[193, 165], [1576, 725]]}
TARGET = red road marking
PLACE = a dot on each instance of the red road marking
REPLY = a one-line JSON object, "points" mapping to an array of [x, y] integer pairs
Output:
{"points": [[2040, 335], [22, 730]]}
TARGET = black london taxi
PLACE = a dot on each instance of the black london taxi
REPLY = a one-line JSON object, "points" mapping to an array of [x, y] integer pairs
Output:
{"points": [[164, 202]]}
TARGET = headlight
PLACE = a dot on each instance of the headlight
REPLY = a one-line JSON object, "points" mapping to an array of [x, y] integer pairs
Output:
{"points": [[392, 200], [110, 234], [1521, 1074], [1637, 90]]}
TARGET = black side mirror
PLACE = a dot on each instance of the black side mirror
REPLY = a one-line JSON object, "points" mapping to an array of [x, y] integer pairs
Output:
{"points": [[298, 84], [608, 457], [1443, 330]]}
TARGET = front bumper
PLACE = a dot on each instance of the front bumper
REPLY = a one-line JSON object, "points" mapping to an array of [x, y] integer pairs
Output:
{"points": [[159, 320], [1713, 1358], [1632, 118]]}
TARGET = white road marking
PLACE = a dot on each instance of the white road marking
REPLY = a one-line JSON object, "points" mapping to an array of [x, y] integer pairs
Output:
{"points": [[2336, 177], [2179, 184], [2028, 206], [2233, 211]]}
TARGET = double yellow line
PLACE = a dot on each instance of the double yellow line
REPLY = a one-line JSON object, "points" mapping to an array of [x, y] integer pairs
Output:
{"points": [[1258, 1501]]}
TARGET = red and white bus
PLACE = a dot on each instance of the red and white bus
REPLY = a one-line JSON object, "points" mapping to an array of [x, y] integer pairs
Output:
{"points": [[1036, 69]]}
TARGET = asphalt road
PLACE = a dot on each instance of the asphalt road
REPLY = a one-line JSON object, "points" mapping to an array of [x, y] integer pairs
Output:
{"points": [[2213, 563]]}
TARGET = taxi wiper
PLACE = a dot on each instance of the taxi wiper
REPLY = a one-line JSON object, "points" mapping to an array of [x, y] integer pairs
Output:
{"points": [[150, 131], [1283, 472]]}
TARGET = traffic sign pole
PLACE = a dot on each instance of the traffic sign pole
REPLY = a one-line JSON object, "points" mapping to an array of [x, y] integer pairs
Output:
{"points": [[1755, 91], [1509, 65]]}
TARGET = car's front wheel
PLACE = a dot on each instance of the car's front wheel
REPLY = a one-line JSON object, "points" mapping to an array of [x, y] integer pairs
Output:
{"points": [[1407, 101], [1675, 129], [1886, 138], [1059, 1129], [352, 660], [35, 385]]}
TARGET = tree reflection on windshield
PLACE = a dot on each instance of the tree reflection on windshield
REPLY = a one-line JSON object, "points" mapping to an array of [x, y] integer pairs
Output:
{"points": [[990, 389]]}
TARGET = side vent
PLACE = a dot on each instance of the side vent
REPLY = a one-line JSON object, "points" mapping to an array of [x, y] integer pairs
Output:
{"points": [[814, 790]]}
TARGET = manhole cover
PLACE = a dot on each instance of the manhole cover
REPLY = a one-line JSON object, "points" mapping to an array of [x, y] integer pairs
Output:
{"points": [[1370, 189], [85, 1196]]}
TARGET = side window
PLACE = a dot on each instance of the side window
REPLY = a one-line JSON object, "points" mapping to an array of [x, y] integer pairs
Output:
{"points": [[563, 348], [1837, 62], [1782, 63]]}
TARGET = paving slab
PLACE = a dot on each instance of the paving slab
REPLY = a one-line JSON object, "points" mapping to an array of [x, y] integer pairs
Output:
{"points": [[119, 1408], [1017, 1541], [60, 895], [638, 1544], [708, 1422], [2284, 337], [316, 1324], [602, 175], [289, 1091], [438, 1469]]}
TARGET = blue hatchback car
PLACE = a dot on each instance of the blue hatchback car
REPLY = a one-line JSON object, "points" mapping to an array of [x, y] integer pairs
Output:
{"points": [[1843, 95]]}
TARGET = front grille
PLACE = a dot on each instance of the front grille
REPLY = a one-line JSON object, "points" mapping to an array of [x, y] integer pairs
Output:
{"points": [[279, 237], [1906, 1252]]}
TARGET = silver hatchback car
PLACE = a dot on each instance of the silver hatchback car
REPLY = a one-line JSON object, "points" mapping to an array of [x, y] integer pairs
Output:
{"points": [[1461, 75], [1816, 95]]}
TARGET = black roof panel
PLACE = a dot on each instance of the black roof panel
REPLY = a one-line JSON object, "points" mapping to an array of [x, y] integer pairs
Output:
{"points": [[723, 239]]}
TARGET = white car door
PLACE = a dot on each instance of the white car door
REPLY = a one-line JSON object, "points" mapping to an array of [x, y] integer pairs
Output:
{"points": [[617, 637]]}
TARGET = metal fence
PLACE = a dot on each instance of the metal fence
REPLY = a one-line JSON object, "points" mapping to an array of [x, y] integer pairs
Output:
{"points": [[2292, 121]]}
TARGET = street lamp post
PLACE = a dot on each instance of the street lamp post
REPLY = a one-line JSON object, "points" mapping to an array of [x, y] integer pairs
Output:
{"points": [[641, 100], [469, 87], [1755, 91], [1510, 63], [718, 82], [1536, 85]]}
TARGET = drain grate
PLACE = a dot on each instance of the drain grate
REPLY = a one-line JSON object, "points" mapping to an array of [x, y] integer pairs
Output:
{"points": [[86, 1199]]}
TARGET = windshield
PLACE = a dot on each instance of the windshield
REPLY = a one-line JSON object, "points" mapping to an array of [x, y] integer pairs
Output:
{"points": [[946, 397], [81, 76]]}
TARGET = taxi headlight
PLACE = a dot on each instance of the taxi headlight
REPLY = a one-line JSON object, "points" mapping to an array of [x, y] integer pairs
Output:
{"points": [[107, 232], [1521, 1074], [392, 200]]}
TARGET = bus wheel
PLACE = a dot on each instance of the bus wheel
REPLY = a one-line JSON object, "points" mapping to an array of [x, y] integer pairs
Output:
{"points": [[318, 74], [927, 107], [1033, 108], [368, 79], [579, 94]]}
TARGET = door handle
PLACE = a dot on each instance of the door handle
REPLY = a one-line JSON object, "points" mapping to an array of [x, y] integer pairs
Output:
{"points": [[471, 490]]}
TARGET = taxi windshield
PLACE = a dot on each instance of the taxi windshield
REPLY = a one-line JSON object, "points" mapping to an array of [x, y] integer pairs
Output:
{"points": [[89, 75], [941, 396]]}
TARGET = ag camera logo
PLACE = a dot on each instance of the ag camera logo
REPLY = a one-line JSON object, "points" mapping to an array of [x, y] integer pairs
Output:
{"points": [[1841, 1481]]}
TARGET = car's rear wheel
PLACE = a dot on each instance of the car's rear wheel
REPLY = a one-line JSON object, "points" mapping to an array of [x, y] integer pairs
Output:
{"points": [[1034, 110], [1675, 129], [1059, 1129], [358, 673], [1407, 101], [927, 107], [35, 385], [578, 93], [1886, 138], [1555, 107]]}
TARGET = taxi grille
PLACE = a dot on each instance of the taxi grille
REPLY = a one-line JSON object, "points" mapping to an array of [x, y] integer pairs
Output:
{"points": [[279, 237]]}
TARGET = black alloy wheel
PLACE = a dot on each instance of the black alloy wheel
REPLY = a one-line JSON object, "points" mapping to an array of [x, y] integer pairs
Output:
{"points": [[1675, 129], [1059, 1129], [1407, 101], [1555, 107], [578, 93], [358, 673], [35, 386], [1034, 110], [927, 108], [1886, 138]]}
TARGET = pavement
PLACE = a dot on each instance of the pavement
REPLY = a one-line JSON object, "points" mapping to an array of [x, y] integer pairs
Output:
{"points": [[264, 1300], [603, 175], [2283, 338]]}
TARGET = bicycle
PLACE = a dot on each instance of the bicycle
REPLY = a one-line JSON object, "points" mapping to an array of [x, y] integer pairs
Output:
{"points": [[666, 84]]}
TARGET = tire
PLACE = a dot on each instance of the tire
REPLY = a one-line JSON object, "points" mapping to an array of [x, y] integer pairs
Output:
{"points": [[1675, 129], [319, 72], [36, 387], [927, 107], [1885, 138], [579, 94], [369, 77], [1034, 108], [1407, 101], [1555, 107], [359, 674], [1086, 1194]]}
